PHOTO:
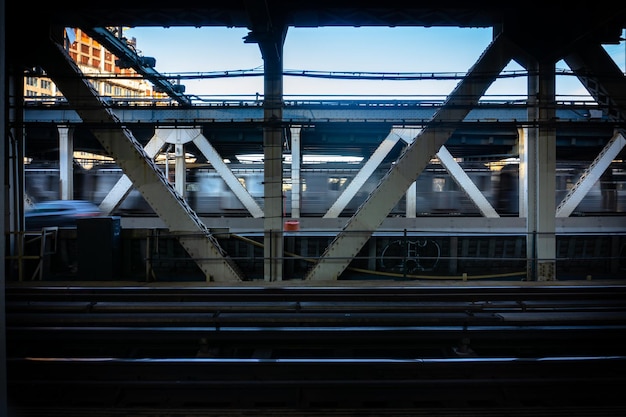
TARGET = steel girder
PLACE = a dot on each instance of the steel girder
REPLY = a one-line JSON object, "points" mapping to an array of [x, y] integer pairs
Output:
{"points": [[120, 143]]}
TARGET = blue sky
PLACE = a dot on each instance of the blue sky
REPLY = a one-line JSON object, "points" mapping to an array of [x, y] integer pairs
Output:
{"points": [[346, 49]]}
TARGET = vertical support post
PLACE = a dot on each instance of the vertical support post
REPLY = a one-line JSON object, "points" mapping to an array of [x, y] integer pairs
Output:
{"points": [[180, 169], [411, 201], [296, 182], [3, 216], [272, 52], [541, 174], [14, 191], [66, 162], [454, 255], [522, 179]]}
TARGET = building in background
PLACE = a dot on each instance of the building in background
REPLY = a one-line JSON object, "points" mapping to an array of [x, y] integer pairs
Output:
{"points": [[95, 61]]}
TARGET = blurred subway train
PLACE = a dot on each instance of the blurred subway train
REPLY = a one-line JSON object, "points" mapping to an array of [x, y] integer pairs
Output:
{"points": [[436, 192]]}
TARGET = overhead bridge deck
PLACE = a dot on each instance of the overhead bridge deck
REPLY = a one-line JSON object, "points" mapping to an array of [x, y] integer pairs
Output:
{"points": [[352, 125], [306, 109], [490, 132]]}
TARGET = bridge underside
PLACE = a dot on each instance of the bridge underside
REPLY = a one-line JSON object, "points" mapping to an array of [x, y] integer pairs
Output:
{"points": [[577, 39], [330, 338]]}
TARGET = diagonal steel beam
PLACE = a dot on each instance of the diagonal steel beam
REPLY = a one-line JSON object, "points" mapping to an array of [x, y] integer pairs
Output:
{"points": [[120, 143], [244, 196], [124, 185], [591, 175], [121, 50], [466, 183], [412, 162], [602, 78], [362, 176]]}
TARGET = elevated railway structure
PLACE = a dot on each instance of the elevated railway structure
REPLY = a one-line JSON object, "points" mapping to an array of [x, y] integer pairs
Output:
{"points": [[243, 340], [378, 131], [574, 34]]}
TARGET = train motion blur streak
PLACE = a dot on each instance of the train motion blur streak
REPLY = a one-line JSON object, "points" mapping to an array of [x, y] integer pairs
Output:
{"points": [[436, 192]]}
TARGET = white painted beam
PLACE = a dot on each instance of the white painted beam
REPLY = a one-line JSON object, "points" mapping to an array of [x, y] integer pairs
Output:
{"points": [[123, 186], [66, 162], [180, 169], [466, 183], [411, 201], [591, 175], [362, 176], [227, 175], [296, 180], [413, 161]]}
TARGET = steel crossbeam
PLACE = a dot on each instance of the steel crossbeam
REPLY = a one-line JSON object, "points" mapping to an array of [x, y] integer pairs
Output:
{"points": [[371, 214], [119, 142]]}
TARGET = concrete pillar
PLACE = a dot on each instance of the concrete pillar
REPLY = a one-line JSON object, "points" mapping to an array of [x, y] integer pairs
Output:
{"points": [[66, 162]]}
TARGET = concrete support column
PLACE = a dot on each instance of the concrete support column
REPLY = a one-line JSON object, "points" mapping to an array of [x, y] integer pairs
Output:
{"points": [[541, 174], [66, 162]]}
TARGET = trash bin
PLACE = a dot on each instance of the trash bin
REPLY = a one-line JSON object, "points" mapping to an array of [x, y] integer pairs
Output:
{"points": [[99, 248]]}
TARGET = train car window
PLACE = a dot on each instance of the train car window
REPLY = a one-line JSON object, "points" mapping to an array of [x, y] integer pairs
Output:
{"points": [[335, 184], [439, 184]]}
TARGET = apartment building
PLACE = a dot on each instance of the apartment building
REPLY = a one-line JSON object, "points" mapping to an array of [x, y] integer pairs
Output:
{"points": [[94, 60]]}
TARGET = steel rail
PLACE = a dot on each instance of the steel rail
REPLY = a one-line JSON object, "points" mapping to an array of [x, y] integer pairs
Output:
{"points": [[294, 321], [260, 383], [180, 348]]}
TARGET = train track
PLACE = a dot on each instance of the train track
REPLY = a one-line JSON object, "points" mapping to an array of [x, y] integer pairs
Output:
{"points": [[411, 348]]}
